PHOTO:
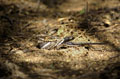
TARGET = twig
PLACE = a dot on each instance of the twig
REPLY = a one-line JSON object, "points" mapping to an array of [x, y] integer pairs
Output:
{"points": [[38, 6]]}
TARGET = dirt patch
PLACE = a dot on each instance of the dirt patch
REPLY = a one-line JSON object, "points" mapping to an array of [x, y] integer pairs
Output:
{"points": [[24, 25]]}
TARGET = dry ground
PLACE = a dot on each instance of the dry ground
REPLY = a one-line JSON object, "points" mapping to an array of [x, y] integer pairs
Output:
{"points": [[23, 24]]}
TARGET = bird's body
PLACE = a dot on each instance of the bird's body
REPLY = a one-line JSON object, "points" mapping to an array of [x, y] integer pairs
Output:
{"points": [[55, 44]]}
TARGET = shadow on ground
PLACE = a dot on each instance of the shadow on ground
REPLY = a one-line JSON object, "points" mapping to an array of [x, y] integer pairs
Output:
{"points": [[12, 20]]}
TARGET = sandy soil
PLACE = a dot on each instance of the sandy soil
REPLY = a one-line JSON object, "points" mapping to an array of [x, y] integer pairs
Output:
{"points": [[25, 23]]}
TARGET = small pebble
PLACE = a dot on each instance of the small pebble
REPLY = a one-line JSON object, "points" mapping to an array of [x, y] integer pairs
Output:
{"points": [[15, 51], [107, 23]]}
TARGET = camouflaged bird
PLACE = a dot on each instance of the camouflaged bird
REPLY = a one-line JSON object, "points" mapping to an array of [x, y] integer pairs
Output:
{"points": [[66, 41], [54, 44]]}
